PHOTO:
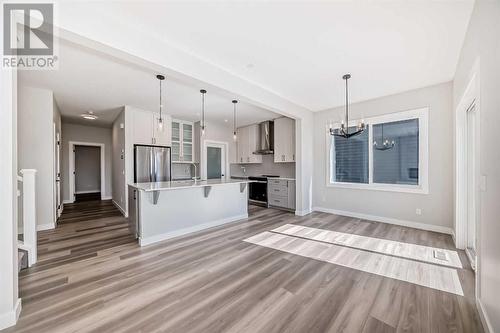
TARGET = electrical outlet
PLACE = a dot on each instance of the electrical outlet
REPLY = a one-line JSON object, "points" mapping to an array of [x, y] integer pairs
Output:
{"points": [[418, 211]]}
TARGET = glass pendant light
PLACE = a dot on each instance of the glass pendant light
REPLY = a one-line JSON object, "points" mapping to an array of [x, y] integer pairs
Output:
{"points": [[203, 92], [234, 119], [344, 127], [160, 120]]}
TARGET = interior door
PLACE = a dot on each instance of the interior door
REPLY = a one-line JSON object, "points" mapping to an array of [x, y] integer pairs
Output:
{"points": [[471, 184], [216, 161]]}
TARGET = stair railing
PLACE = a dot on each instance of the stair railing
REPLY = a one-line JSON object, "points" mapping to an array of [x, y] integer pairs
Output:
{"points": [[29, 242]]}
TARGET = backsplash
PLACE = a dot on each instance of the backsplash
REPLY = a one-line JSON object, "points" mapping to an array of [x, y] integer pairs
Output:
{"points": [[182, 170], [267, 167]]}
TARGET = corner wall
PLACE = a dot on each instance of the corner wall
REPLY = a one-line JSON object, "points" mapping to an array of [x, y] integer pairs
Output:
{"points": [[437, 206], [482, 44]]}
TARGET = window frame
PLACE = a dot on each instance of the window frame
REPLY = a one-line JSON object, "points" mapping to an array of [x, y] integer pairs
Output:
{"points": [[422, 114]]}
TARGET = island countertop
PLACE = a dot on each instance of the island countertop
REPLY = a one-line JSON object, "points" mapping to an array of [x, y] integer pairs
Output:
{"points": [[182, 184]]}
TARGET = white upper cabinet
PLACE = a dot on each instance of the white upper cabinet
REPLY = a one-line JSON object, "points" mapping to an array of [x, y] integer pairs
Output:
{"points": [[146, 131], [182, 141], [247, 142], [284, 140]]}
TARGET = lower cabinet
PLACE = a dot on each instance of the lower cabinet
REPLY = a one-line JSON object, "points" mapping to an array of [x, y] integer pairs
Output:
{"points": [[281, 193]]}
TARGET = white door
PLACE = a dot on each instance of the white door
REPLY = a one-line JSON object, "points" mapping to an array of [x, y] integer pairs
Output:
{"points": [[471, 184], [215, 160]]}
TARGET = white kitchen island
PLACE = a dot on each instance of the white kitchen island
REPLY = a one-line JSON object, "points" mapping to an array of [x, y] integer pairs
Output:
{"points": [[163, 210]]}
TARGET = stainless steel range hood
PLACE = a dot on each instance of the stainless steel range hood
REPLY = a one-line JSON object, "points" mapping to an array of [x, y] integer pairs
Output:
{"points": [[266, 138]]}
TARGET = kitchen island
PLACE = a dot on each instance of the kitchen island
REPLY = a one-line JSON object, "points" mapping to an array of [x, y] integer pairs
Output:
{"points": [[163, 210]]}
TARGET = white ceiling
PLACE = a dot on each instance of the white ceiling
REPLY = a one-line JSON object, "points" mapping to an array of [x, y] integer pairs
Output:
{"points": [[300, 50], [88, 80]]}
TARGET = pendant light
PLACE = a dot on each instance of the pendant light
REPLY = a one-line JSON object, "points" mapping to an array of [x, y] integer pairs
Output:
{"points": [[203, 92], [160, 120], [344, 127], [234, 119], [386, 144]]}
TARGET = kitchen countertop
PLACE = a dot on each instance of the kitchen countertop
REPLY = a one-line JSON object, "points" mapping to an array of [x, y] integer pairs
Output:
{"points": [[175, 185], [246, 177]]}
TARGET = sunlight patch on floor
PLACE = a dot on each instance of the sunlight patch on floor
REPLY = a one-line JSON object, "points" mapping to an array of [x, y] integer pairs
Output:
{"points": [[428, 254], [417, 272]]}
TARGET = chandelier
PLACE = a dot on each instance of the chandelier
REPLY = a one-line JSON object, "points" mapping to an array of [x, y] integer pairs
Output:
{"points": [[344, 127]]}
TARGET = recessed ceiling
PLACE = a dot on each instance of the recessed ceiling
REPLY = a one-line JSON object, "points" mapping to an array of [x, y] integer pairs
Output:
{"points": [[88, 80], [300, 50]]}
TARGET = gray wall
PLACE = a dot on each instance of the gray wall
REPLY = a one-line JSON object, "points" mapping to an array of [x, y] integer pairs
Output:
{"points": [[482, 42], [437, 206], [36, 146], [82, 133], [88, 169], [119, 183]]}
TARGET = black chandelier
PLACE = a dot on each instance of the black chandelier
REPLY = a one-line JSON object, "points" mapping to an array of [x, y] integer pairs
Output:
{"points": [[344, 127], [386, 144]]}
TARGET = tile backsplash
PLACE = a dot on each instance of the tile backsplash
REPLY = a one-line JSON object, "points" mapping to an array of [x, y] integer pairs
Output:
{"points": [[267, 167], [182, 171]]}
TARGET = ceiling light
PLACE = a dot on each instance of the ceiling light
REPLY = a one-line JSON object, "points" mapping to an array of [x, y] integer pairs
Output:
{"points": [[225, 120], [89, 115], [234, 119], [203, 92], [344, 127], [160, 120]]}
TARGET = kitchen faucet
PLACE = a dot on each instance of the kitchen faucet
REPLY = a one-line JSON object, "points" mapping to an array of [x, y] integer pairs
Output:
{"points": [[195, 172]]}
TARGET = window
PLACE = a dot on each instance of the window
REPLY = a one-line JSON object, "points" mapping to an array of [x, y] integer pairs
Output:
{"points": [[351, 158], [391, 154]]}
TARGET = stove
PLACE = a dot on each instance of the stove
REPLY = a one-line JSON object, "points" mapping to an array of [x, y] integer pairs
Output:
{"points": [[257, 190]]}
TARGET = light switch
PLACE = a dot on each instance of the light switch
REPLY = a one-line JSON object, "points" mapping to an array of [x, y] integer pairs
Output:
{"points": [[418, 211]]}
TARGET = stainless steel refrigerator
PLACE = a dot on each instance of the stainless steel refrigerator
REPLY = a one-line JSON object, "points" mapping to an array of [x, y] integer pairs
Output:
{"points": [[152, 164]]}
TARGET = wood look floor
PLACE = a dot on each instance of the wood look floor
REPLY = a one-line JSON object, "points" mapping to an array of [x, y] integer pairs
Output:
{"points": [[93, 277]]}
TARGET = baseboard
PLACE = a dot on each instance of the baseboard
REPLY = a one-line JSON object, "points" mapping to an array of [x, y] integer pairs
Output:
{"points": [[107, 198], [10, 318], [303, 212], [48, 226], [66, 201], [485, 320], [404, 223], [119, 208], [453, 237], [85, 192], [158, 238]]}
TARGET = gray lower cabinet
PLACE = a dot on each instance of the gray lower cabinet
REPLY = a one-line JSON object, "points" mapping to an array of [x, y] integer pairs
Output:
{"points": [[281, 193], [133, 211]]}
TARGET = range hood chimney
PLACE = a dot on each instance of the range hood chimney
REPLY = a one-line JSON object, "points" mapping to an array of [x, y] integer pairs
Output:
{"points": [[266, 138]]}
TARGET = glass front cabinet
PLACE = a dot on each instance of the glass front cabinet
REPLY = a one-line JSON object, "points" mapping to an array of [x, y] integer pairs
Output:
{"points": [[182, 141]]}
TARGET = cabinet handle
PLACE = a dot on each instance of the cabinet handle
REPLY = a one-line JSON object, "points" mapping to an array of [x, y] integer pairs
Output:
{"points": [[293, 157]]}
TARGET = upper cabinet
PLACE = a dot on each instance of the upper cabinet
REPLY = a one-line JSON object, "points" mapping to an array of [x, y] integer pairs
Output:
{"points": [[146, 131], [284, 140], [247, 142], [182, 141]]}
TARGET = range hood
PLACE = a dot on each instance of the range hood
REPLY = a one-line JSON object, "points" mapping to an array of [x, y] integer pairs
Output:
{"points": [[266, 138]]}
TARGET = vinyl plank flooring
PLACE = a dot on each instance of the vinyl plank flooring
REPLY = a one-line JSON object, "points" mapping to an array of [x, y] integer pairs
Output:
{"points": [[93, 277]]}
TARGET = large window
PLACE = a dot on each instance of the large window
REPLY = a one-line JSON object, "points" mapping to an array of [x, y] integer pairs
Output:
{"points": [[391, 154]]}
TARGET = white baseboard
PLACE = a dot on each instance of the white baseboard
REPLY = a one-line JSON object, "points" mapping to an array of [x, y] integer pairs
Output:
{"points": [[10, 318], [48, 226], [85, 192], [303, 212], [67, 201], [404, 223], [158, 238], [485, 320], [119, 208], [107, 198]]}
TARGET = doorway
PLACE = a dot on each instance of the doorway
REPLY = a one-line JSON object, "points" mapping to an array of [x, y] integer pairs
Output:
{"points": [[87, 165], [215, 157], [58, 207]]}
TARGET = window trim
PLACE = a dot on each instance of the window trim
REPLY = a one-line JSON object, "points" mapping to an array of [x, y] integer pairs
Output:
{"points": [[422, 114]]}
